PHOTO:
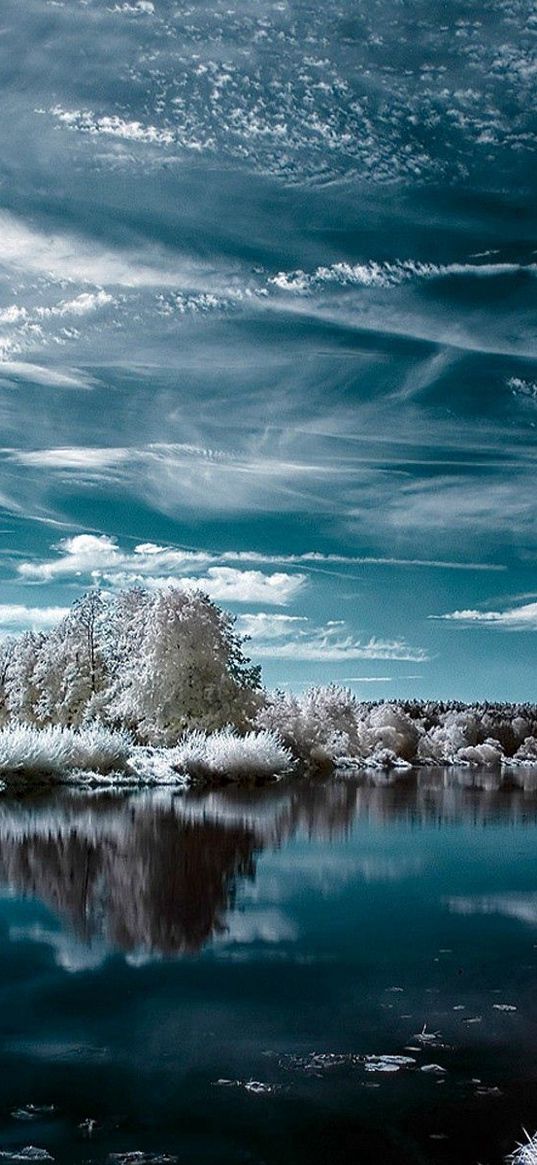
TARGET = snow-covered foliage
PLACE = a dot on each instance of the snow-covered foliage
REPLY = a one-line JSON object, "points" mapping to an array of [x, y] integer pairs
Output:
{"points": [[56, 749], [256, 755], [525, 1153], [329, 726], [167, 668], [156, 664]]}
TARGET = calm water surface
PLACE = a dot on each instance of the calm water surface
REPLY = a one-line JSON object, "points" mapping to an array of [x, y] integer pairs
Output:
{"points": [[162, 953]]}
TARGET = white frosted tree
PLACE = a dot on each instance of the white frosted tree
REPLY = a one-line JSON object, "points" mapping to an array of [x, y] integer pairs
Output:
{"points": [[21, 684], [70, 672], [186, 668]]}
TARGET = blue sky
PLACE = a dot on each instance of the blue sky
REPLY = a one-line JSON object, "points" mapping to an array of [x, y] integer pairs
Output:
{"points": [[268, 279]]}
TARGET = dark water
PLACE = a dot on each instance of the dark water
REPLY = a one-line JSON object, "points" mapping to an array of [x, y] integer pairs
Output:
{"points": [[154, 945]]}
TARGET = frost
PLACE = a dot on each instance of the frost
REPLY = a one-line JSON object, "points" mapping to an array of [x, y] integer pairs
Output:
{"points": [[257, 1087], [30, 1153], [139, 1158], [153, 687], [256, 754], [388, 1063], [55, 749], [525, 1153], [32, 1112]]}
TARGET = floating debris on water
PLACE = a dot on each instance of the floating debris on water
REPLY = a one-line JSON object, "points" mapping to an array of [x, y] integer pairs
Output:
{"points": [[30, 1153], [429, 1039], [32, 1112], [88, 1126], [504, 1007], [318, 1062], [139, 1158], [434, 1068], [388, 1063], [258, 1087]]}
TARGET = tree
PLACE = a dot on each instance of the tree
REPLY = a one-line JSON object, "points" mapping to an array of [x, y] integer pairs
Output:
{"points": [[187, 669]]}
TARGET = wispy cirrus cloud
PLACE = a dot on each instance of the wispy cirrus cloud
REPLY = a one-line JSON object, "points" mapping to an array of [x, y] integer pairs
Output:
{"points": [[522, 618], [299, 638], [75, 258], [93, 553], [48, 376]]}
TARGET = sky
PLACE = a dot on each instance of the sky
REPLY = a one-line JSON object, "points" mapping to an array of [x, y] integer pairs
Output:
{"points": [[268, 279]]}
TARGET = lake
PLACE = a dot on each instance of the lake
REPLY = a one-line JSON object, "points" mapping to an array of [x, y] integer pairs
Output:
{"points": [[217, 976]]}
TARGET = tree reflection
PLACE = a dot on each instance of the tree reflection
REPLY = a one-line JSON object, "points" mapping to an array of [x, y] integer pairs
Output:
{"points": [[159, 874], [149, 881]]}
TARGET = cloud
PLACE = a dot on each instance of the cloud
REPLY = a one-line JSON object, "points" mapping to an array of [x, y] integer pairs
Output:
{"points": [[522, 618], [82, 554], [72, 457], [87, 553], [392, 274], [313, 558], [17, 615], [265, 625], [99, 558], [41, 374], [81, 305], [226, 585], [112, 125], [296, 638], [70, 953], [521, 906], [68, 257]]}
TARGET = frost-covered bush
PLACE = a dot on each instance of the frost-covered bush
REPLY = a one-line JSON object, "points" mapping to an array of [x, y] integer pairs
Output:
{"points": [[526, 1153], [487, 755], [317, 726], [225, 754], [329, 726], [28, 750], [388, 728], [526, 753]]}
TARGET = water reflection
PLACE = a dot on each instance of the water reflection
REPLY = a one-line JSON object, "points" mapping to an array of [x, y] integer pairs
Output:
{"points": [[159, 873]]}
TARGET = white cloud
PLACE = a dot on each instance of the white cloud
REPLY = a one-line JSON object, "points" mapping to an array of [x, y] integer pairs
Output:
{"points": [[17, 615], [112, 125], [265, 625], [374, 274], [314, 557], [14, 314], [226, 585], [40, 374], [299, 639], [99, 557], [88, 553], [73, 457], [521, 906], [81, 305], [81, 555], [522, 618], [66, 257]]}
